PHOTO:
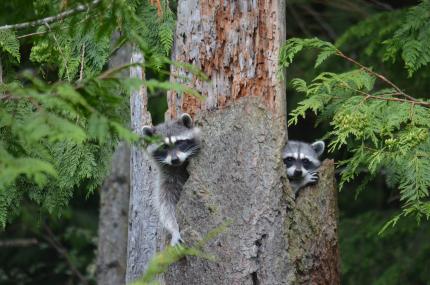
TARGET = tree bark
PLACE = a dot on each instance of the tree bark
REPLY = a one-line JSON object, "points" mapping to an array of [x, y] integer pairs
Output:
{"points": [[114, 203], [143, 219], [236, 43], [239, 175]]}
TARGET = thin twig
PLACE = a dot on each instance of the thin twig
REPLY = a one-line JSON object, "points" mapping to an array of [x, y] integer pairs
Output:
{"points": [[51, 239], [48, 20], [19, 242], [114, 70], [31, 34], [382, 5], [60, 50], [330, 32], [370, 96], [81, 73], [45, 32], [298, 20], [380, 76]]}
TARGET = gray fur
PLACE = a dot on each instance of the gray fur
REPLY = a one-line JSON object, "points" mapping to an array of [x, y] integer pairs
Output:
{"points": [[171, 161], [302, 162]]}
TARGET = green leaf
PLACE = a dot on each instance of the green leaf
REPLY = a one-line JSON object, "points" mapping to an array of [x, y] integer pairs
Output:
{"points": [[10, 44]]}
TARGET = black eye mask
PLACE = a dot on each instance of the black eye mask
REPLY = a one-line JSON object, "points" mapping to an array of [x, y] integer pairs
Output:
{"points": [[185, 145]]}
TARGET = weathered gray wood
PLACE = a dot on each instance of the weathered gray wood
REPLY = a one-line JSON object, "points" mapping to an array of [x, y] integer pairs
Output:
{"points": [[112, 234], [143, 219], [236, 43], [114, 203], [313, 232], [239, 176]]}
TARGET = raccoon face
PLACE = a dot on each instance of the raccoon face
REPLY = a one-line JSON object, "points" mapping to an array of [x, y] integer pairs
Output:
{"points": [[301, 158], [178, 141]]}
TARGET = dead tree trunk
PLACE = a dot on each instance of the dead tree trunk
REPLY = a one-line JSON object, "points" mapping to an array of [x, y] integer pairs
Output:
{"points": [[114, 203], [239, 175], [143, 219], [112, 235]]}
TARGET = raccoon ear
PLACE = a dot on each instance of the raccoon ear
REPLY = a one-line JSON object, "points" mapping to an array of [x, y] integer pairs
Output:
{"points": [[318, 147], [148, 131], [186, 120]]}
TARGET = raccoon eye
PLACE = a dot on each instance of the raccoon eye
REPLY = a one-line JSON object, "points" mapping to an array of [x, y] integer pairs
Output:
{"points": [[163, 147], [306, 162], [184, 145], [288, 160], [162, 150]]}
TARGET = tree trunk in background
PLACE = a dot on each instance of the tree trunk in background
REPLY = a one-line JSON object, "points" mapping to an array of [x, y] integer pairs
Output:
{"points": [[114, 203], [112, 236], [239, 175], [143, 219]]}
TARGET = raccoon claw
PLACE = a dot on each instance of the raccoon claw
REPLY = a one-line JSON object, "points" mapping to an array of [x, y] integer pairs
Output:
{"points": [[314, 177], [176, 240]]}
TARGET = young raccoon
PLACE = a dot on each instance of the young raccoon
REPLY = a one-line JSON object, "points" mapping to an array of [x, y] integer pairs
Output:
{"points": [[302, 161], [179, 140]]}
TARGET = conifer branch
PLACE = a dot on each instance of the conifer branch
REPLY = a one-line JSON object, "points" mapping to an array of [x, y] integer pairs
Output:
{"points": [[81, 73], [380, 76], [392, 99], [51, 239], [1, 72], [51, 19]]}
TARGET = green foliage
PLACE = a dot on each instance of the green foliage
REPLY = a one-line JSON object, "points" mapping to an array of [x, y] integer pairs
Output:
{"points": [[397, 257], [396, 34], [382, 128], [162, 260], [158, 29], [59, 122], [9, 44]]}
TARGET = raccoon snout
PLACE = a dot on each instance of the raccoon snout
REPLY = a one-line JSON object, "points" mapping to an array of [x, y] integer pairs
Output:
{"points": [[298, 173], [175, 160]]}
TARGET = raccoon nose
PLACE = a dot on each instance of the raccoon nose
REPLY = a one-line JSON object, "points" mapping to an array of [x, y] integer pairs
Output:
{"points": [[298, 172], [175, 159]]}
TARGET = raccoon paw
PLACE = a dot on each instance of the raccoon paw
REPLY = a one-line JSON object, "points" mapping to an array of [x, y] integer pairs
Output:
{"points": [[313, 177], [176, 240]]}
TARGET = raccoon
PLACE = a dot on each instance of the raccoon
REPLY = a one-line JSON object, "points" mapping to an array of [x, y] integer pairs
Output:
{"points": [[175, 142], [302, 162]]}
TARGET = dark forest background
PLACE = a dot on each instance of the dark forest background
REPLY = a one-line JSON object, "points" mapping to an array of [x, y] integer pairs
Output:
{"points": [[48, 249]]}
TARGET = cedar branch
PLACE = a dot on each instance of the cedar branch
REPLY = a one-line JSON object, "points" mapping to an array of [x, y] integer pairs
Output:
{"points": [[51, 19], [380, 76]]}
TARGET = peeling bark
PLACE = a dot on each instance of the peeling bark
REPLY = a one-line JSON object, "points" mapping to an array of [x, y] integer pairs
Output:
{"points": [[143, 219], [236, 43]]}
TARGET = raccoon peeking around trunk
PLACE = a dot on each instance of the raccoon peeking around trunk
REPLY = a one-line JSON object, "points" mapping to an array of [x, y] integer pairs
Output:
{"points": [[302, 162], [174, 142]]}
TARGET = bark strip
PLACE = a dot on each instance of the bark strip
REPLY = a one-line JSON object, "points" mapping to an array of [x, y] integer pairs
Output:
{"points": [[143, 219]]}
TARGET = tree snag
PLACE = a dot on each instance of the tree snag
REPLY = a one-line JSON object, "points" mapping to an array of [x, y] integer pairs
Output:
{"points": [[114, 203], [239, 175], [143, 219]]}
